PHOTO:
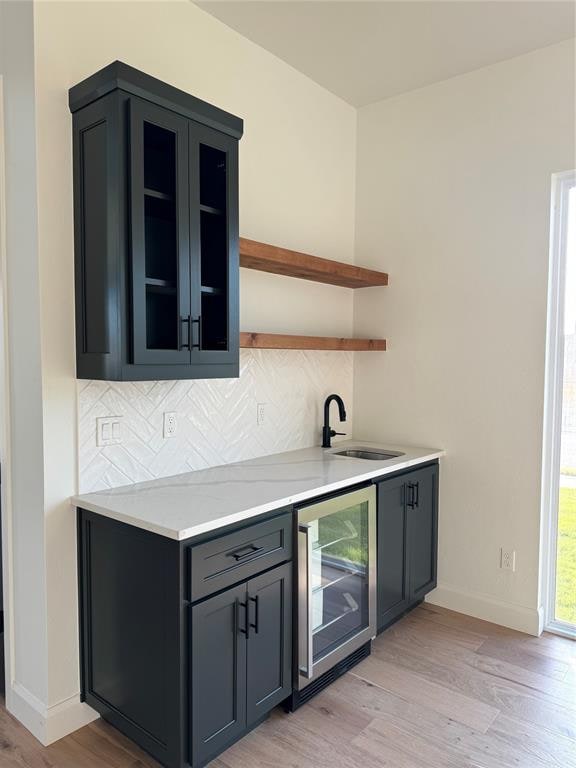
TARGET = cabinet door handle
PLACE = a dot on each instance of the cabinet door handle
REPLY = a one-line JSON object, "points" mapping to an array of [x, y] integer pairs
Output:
{"points": [[411, 503], [244, 552], [417, 502], [197, 321], [245, 630], [184, 340], [256, 625]]}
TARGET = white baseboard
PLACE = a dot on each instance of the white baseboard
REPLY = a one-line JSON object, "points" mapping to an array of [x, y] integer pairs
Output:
{"points": [[488, 608], [48, 724]]}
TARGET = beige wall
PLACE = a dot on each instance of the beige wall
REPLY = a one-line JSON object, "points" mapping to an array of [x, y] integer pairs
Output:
{"points": [[453, 199], [297, 186]]}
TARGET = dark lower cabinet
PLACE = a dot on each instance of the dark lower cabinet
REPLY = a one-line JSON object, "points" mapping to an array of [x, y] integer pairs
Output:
{"points": [[422, 531], [187, 645], [218, 653], [269, 657], [241, 660], [132, 632], [392, 553], [185, 679], [407, 541]]}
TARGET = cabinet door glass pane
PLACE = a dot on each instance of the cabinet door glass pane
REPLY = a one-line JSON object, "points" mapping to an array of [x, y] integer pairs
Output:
{"points": [[214, 247], [339, 573], [160, 237], [161, 319], [159, 159]]}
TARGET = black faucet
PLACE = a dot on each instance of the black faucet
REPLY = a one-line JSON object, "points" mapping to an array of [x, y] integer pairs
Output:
{"points": [[327, 432]]}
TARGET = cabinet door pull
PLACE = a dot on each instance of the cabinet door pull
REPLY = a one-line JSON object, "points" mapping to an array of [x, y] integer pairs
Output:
{"points": [[256, 625], [197, 321], [184, 339], [411, 496], [245, 630], [244, 552], [417, 502]]}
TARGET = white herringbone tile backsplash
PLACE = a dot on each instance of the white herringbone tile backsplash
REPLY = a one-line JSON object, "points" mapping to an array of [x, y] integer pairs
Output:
{"points": [[216, 417]]}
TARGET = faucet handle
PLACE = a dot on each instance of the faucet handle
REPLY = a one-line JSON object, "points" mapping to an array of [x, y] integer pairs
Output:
{"points": [[333, 433]]}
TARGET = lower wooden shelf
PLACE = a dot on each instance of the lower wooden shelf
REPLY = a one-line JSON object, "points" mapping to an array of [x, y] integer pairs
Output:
{"points": [[284, 341]]}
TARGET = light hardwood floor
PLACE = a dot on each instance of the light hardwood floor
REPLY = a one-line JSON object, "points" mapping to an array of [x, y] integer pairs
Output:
{"points": [[441, 690]]}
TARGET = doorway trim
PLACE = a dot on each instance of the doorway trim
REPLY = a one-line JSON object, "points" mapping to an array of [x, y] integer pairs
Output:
{"points": [[553, 396], [5, 454]]}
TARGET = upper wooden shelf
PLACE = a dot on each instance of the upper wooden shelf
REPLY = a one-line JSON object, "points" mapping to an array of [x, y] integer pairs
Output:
{"points": [[281, 261], [284, 341]]}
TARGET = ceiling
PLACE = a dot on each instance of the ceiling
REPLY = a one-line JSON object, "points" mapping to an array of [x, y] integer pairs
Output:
{"points": [[368, 51]]}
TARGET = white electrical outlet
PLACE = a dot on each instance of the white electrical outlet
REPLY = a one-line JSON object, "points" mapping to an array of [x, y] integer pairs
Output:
{"points": [[170, 424], [260, 414], [108, 430], [508, 559]]}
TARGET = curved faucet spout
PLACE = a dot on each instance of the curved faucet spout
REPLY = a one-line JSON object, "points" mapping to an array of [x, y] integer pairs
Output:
{"points": [[327, 432]]}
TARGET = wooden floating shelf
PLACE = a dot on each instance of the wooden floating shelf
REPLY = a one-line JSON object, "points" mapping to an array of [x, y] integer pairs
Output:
{"points": [[282, 341], [281, 261]]}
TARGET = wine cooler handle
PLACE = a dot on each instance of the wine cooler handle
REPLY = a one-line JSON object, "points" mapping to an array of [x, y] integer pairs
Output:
{"points": [[305, 638]]}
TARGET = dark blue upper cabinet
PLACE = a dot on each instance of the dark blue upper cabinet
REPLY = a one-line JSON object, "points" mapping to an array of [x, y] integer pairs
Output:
{"points": [[156, 230]]}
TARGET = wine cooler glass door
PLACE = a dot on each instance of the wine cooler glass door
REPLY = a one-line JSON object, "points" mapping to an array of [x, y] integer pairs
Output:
{"points": [[336, 579]]}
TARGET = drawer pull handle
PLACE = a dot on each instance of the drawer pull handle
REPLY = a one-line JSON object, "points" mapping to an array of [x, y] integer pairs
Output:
{"points": [[242, 554]]}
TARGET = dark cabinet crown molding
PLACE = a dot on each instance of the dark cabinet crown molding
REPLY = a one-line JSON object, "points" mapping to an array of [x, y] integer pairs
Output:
{"points": [[120, 76]]}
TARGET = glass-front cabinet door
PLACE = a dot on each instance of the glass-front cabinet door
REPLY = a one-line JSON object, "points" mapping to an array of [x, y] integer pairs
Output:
{"points": [[336, 573], [159, 211], [184, 240], [214, 245], [155, 230]]}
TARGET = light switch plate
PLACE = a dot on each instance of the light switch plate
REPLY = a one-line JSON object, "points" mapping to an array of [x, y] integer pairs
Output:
{"points": [[108, 430]]}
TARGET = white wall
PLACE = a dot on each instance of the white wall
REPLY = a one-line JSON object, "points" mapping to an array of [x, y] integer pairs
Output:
{"points": [[454, 201], [297, 187], [24, 529]]}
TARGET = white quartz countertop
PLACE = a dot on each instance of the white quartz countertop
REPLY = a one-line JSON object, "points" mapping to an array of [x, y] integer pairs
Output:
{"points": [[186, 505]]}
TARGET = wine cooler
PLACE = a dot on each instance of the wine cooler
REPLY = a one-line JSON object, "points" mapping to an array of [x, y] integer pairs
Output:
{"points": [[336, 580]]}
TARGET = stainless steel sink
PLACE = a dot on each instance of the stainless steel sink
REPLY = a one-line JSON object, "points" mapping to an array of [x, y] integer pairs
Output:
{"points": [[368, 453]]}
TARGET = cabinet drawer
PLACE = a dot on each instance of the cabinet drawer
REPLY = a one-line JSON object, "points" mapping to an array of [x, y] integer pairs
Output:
{"points": [[231, 558]]}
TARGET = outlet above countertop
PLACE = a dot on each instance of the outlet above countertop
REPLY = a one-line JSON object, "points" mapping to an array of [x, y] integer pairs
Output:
{"points": [[186, 505]]}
